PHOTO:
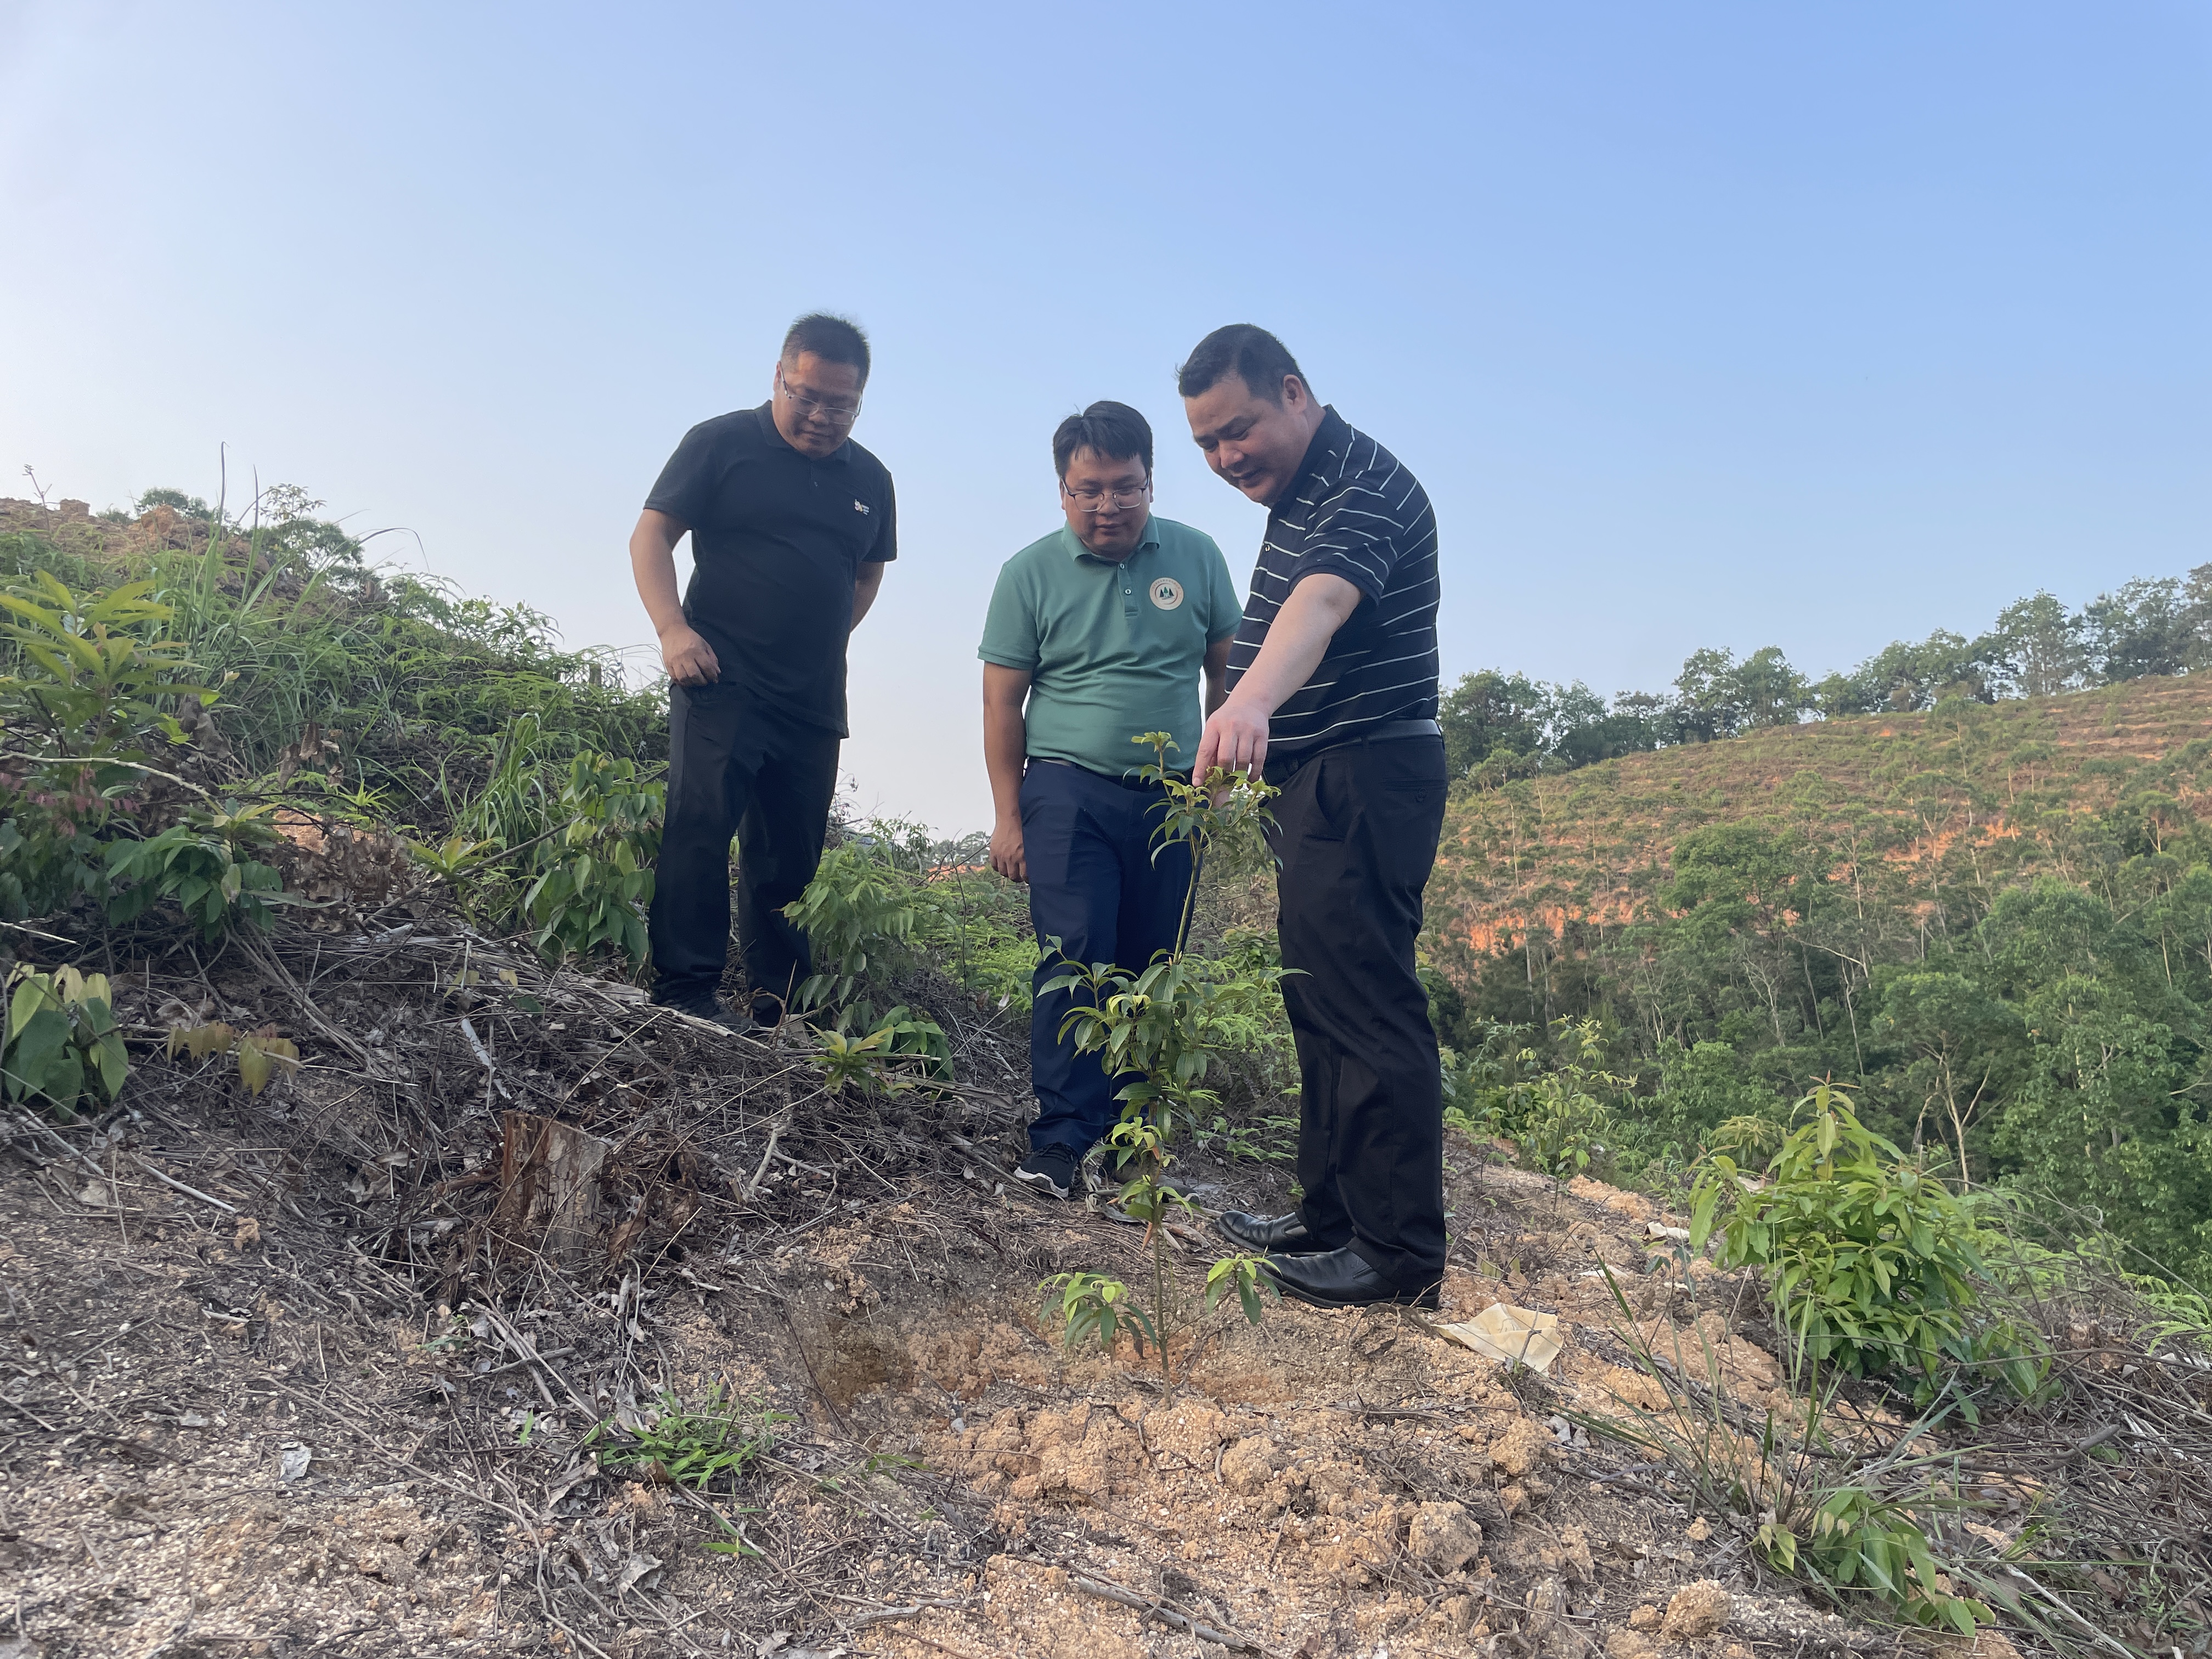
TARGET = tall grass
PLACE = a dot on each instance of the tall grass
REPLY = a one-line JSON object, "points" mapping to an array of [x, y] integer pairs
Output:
{"points": [[391, 690]]}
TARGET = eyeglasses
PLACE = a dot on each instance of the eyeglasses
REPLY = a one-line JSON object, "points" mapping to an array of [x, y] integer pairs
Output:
{"points": [[1101, 501], [836, 414]]}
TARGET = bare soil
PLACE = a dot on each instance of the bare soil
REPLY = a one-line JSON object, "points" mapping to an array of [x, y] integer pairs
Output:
{"points": [[292, 1374]]}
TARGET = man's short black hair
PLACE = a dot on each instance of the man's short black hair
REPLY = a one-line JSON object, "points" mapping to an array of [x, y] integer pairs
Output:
{"points": [[833, 340], [1112, 430], [1246, 350]]}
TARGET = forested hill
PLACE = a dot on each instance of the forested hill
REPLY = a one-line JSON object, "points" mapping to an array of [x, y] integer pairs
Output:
{"points": [[1923, 818], [1995, 919]]}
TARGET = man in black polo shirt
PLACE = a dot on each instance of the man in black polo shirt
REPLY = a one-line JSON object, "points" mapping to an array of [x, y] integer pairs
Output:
{"points": [[1333, 694], [791, 524]]}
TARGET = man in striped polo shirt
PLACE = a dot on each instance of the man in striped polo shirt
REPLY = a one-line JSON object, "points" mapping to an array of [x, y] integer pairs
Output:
{"points": [[1333, 696]]}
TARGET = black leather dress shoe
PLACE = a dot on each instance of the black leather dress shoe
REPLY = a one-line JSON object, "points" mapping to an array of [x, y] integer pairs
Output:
{"points": [[1342, 1279], [1265, 1232]]}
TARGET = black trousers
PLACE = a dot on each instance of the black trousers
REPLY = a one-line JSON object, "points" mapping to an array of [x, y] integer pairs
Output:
{"points": [[737, 767], [1357, 829]]}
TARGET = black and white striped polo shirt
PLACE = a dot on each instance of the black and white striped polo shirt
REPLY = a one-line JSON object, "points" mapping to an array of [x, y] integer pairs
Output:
{"points": [[1355, 513]]}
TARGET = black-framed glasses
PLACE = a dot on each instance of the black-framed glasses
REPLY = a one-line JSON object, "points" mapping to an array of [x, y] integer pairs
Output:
{"points": [[836, 414], [1101, 501]]}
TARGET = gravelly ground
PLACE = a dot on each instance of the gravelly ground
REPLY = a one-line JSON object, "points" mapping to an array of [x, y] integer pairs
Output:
{"points": [[317, 1403]]}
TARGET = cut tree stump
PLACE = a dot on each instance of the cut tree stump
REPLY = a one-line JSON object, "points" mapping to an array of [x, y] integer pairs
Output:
{"points": [[550, 1199]]}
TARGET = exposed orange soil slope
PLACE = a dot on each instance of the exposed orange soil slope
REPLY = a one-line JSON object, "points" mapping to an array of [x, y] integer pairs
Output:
{"points": [[1930, 800]]}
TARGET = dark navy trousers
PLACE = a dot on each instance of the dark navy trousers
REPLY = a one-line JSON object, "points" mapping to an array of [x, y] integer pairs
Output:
{"points": [[1089, 843]]}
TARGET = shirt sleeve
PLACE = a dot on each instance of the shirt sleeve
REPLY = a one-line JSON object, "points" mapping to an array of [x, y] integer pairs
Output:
{"points": [[1225, 612], [685, 489], [886, 543], [1355, 534], [1009, 631]]}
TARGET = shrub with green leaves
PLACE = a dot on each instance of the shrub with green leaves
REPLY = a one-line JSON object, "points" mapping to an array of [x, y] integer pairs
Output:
{"points": [[566, 853], [902, 1049], [99, 684], [858, 912], [1873, 1260], [861, 1063], [888, 900], [1559, 1117], [594, 878], [1566, 1116], [917, 1040], [60, 1047], [203, 866], [80, 708], [46, 858]]}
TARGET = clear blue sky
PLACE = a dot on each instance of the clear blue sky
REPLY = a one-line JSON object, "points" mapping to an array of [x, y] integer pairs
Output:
{"points": [[1705, 324]]}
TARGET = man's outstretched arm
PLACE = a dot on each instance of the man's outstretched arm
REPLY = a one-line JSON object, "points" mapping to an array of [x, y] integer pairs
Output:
{"points": [[689, 658], [1237, 733]]}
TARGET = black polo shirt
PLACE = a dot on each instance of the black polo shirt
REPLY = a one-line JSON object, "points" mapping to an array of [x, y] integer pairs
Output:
{"points": [[777, 542], [1353, 512]]}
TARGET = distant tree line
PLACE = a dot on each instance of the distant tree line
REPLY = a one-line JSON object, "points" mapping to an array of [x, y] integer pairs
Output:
{"points": [[1499, 725]]}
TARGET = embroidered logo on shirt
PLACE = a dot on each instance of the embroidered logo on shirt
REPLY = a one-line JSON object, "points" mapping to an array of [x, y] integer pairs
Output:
{"points": [[859, 506], [1167, 593]]}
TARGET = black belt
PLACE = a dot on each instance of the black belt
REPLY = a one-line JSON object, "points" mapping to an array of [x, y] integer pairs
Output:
{"points": [[1145, 784]]}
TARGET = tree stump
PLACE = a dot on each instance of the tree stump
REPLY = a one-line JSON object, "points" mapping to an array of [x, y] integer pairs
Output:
{"points": [[550, 1199]]}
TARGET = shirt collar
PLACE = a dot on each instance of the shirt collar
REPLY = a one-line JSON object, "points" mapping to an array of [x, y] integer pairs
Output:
{"points": [[1073, 542], [1333, 436], [766, 414]]}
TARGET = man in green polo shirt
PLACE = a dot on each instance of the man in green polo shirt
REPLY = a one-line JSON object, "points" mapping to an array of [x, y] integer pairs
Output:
{"points": [[1102, 628]]}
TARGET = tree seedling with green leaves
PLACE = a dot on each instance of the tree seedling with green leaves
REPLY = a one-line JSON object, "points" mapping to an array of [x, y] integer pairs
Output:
{"points": [[59, 1044], [204, 865], [1873, 1261], [102, 684], [1162, 1026], [92, 672]]}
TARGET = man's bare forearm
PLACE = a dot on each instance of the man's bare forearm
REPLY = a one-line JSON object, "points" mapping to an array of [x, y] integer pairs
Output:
{"points": [[1217, 674], [688, 658], [652, 565], [1236, 736], [1006, 746], [1296, 640]]}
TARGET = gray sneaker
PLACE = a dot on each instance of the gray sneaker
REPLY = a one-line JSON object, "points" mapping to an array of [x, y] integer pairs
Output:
{"points": [[1049, 1169]]}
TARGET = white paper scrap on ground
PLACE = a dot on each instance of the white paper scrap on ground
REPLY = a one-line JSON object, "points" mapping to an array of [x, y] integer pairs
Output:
{"points": [[1506, 1334]]}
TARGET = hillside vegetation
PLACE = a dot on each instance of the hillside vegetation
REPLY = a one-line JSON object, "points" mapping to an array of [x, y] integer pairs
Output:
{"points": [[386, 693], [1993, 919], [559, 1320]]}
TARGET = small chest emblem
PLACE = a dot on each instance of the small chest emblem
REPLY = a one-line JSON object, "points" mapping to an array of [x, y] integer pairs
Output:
{"points": [[859, 506], [1167, 593]]}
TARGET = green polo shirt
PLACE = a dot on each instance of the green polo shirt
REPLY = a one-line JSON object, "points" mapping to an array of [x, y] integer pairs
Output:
{"points": [[1112, 650]]}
